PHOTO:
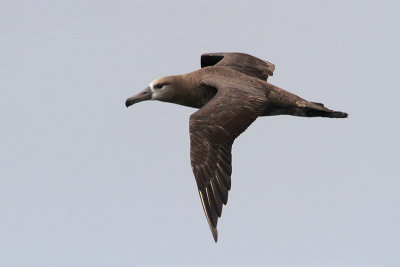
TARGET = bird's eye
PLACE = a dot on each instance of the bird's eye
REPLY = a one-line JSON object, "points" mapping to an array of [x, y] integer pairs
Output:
{"points": [[160, 85]]}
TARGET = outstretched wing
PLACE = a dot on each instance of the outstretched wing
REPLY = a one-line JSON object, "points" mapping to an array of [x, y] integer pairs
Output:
{"points": [[241, 62], [213, 129]]}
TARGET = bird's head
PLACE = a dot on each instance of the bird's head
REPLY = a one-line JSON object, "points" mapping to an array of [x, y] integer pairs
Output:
{"points": [[162, 89]]}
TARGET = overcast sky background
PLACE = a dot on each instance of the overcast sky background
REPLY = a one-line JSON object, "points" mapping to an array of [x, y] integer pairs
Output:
{"points": [[84, 181]]}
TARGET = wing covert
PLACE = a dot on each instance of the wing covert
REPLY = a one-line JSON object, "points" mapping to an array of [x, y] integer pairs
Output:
{"points": [[241, 62]]}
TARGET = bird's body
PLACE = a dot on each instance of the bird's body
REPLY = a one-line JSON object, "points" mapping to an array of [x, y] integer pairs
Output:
{"points": [[230, 91]]}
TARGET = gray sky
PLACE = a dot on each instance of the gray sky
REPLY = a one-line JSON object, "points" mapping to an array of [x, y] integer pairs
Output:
{"points": [[87, 182]]}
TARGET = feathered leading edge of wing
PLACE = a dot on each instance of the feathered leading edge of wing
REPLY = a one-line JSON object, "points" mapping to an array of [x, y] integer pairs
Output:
{"points": [[213, 130], [241, 62]]}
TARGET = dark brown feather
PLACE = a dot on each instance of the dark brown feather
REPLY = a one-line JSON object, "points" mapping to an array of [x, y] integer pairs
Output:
{"points": [[240, 62], [233, 109]]}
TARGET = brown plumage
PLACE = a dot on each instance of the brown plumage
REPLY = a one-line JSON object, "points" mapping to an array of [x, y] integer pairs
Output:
{"points": [[230, 91]]}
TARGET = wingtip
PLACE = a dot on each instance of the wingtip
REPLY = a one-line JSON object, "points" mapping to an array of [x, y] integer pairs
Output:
{"points": [[213, 228], [214, 232]]}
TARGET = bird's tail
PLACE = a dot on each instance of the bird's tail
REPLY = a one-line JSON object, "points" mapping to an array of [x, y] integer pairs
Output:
{"points": [[282, 102], [313, 109]]}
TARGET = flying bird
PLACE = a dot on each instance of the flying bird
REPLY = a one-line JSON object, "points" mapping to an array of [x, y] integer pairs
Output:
{"points": [[230, 91]]}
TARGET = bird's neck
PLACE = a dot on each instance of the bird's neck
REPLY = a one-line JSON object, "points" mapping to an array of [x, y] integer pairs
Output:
{"points": [[189, 91]]}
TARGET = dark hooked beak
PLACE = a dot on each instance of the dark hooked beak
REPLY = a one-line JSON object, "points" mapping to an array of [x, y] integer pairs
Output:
{"points": [[142, 96]]}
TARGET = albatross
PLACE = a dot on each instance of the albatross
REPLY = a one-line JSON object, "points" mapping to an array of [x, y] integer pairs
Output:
{"points": [[231, 91]]}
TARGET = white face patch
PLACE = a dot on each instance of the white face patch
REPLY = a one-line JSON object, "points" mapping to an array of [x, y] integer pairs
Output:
{"points": [[151, 86], [159, 93], [154, 93]]}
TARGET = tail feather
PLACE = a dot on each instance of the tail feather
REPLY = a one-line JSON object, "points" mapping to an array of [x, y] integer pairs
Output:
{"points": [[319, 104], [338, 114], [320, 111], [282, 102]]}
